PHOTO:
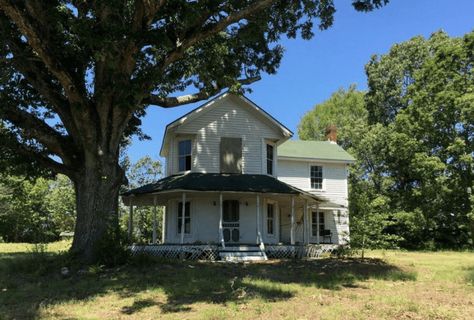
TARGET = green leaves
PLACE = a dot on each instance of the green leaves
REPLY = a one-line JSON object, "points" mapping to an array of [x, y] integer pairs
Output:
{"points": [[413, 137], [35, 210]]}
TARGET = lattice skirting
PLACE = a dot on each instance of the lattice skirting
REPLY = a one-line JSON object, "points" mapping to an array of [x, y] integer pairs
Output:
{"points": [[299, 251], [211, 252], [188, 252]]}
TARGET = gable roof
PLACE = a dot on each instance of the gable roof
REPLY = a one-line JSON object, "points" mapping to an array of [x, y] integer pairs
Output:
{"points": [[317, 150], [195, 113]]}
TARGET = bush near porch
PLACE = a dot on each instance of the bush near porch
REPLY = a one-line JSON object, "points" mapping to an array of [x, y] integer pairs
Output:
{"points": [[389, 284]]}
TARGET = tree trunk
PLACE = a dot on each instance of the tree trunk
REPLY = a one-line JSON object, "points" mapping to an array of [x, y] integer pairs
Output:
{"points": [[97, 229]]}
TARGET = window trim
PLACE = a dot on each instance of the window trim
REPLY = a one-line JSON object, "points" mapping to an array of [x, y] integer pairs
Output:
{"points": [[190, 154], [323, 180], [179, 205]]}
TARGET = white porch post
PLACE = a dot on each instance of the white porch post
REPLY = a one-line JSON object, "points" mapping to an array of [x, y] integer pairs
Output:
{"points": [[317, 224], [259, 231], [305, 223], [292, 230], [183, 210], [276, 216], [163, 226], [221, 213], [154, 220], [130, 221]]}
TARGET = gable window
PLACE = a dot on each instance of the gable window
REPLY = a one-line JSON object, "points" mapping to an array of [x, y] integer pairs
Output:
{"points": [[184, 155], [270, 218], [316, 177], [269, 159], [187, 217], [317, 223]]}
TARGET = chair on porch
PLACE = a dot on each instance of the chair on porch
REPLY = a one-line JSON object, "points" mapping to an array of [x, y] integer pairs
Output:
{"points": [[327, 236]]}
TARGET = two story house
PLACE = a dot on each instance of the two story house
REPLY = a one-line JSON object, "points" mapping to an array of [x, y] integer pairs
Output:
{"points": [[236, 184]]}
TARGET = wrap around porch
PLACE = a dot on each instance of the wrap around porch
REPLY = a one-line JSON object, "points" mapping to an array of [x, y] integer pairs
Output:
{"points": [[256, 212]]}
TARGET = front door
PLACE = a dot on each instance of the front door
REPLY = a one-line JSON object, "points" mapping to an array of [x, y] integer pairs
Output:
{"points": [[230, 221]]}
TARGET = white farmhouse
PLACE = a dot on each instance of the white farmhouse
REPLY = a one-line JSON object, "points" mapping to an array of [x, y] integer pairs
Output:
{"points": [[237, 187]]}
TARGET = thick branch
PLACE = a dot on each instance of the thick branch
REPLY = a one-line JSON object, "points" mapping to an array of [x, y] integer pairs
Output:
{"points": [[43, 160], [37, 129], [145, 11], [39, 78], [170, 102], [40, 44], [202, 34]]}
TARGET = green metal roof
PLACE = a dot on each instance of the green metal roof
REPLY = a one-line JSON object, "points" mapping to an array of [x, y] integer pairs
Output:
{"points": [[220, 182], [321, 150]]}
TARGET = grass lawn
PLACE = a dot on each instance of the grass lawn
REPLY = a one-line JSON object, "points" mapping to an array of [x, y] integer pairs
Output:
{"points": [[390, 285]]}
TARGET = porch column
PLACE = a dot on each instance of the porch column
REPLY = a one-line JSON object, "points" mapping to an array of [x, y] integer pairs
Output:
{"points": [[259, 231], [317, 224], [221, 230], [163, 226], [154, 220], [130, 221], [305, 223], [276, 216], [183, 210], [292, 230]]}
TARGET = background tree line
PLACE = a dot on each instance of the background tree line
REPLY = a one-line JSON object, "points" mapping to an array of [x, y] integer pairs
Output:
{"points": [[37, 208], [412, 134]]}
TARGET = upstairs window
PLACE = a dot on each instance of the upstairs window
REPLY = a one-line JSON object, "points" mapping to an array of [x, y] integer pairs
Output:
{"points": [[187, 217], [231, 155], [269, 159], [316, 177], [184, 155]]}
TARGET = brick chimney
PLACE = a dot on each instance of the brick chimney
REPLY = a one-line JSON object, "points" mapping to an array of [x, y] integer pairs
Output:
{"points": [[331, 133]]}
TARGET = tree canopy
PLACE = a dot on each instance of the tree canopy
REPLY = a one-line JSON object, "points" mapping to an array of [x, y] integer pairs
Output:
{"points": [[76, 77], [414, 146]]}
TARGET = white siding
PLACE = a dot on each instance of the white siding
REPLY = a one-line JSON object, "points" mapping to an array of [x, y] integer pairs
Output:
{"points": [[229, 118], [205, 220], [297, 173]]}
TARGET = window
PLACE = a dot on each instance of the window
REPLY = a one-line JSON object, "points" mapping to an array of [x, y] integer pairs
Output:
{"points": [[321, 223], [316, 177], [184, 149], [269, 159], [187, 217], [270, 218], [315, 223], [230, 210], [231, 155]]}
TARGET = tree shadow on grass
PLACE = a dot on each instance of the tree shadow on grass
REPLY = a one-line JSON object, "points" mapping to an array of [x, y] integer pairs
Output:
{"points": [[23, 290]]}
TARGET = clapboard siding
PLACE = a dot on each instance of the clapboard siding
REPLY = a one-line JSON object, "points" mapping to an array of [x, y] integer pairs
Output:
{"points": [[297, 173], [205, 220], [230, 118]]}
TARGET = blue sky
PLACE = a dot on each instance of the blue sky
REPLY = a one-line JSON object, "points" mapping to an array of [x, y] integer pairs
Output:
{"points": [[334, 58]]}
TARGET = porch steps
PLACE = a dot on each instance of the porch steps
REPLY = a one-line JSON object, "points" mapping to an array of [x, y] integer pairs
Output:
{"points": [[242, 253]]}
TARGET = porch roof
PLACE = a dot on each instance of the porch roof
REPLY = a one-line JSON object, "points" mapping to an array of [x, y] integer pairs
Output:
{"points": [[220, 182]]}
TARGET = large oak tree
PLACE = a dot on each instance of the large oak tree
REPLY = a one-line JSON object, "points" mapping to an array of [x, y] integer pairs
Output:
{"points": [[76, 77]]}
